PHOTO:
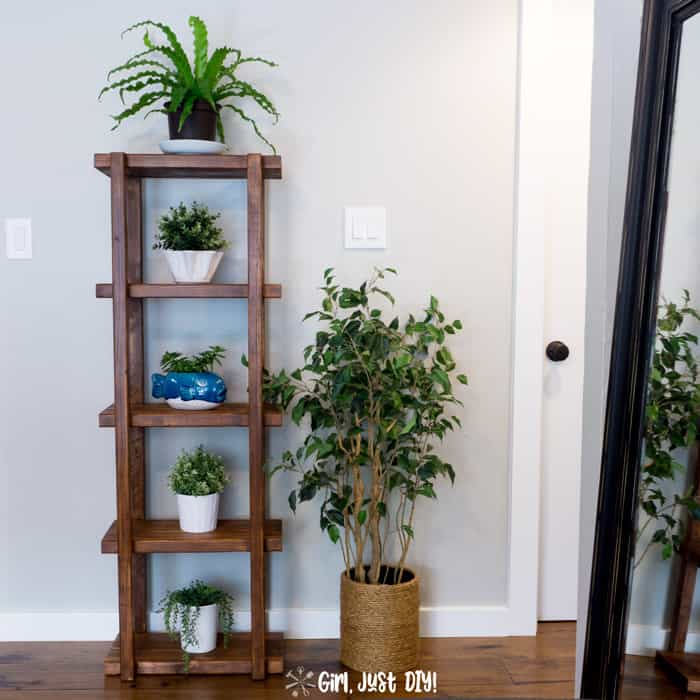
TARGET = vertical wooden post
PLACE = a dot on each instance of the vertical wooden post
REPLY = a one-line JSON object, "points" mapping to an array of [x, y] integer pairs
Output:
{"points": [[137, 458], [256, 434], [685, 588], [120, 303], [683, 605]]}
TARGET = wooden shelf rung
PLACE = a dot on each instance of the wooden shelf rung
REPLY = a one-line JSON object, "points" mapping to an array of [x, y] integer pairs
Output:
{"points": [[165, 536], [103, 290], [160, 415], [189, 166], [156, 653]]}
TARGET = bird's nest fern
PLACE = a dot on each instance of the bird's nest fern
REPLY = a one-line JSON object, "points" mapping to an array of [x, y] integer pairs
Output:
{"points": [[164, 72]]}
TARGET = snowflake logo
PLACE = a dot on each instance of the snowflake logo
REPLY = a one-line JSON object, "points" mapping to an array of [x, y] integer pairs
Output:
{"points": [[300, 681]]}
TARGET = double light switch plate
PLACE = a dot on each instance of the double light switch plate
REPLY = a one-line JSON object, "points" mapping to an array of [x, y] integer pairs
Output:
{"points": [[365, 227]]}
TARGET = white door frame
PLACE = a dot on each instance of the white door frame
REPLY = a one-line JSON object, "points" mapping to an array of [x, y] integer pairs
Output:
{"points": [[534, 91]]}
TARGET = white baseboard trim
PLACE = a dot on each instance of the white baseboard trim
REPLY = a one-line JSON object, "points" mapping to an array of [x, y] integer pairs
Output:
{"points": [[296, 623], [645, 640]]}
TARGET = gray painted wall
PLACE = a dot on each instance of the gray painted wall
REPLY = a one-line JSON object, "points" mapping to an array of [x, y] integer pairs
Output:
{"points": [[408, 105]]}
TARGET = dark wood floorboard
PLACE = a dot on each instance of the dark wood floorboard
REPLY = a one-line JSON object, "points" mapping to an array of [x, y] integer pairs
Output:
{"points": [[511, 667], [643, 680]]}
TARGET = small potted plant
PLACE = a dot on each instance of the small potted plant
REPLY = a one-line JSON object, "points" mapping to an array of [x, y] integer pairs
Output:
{"points": [[378, 396], [197, 478], [192, 94], [189, 381], [194, 613], [192, 243]]}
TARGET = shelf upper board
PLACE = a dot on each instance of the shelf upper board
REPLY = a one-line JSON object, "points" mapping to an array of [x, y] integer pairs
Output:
{"points": [[165, 536], [189, 291], [158, 654], [160, 415], [193, 166]]}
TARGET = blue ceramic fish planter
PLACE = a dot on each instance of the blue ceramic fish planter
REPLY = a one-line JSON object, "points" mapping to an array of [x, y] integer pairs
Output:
{"points": [[189, 390]]}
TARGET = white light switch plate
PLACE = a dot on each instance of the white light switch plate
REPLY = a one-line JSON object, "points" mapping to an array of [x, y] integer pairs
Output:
{"points": [[18, 239], [365, 227]]}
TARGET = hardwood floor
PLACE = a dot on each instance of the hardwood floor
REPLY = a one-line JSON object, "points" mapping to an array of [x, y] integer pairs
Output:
{"points": [[643, 680], [512, 667]]}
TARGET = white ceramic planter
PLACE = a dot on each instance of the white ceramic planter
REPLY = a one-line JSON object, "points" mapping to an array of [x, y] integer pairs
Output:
{"points": [[198, 513], [205, 631], [193, 266]]}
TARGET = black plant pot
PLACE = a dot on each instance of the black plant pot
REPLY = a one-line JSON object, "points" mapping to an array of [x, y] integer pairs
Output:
{"points": [[200, 124]]}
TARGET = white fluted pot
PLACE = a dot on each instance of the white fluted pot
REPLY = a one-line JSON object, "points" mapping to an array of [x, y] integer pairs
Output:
{"points": [[193, 266], [198, 513]]}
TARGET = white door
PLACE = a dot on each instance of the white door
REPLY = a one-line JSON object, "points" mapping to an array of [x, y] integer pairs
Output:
{"points": [[565, 293]]}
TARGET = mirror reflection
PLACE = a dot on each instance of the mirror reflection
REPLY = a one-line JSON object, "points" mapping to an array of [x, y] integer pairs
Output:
{"points": [[664, 609]]}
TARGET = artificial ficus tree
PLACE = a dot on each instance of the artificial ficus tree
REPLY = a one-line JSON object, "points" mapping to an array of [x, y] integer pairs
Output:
{"points": [[672, 412], [377, 396]]}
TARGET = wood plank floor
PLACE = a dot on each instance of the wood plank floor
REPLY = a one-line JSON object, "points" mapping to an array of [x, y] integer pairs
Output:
{"points": [[643, 680], [517, 667], [512, 667]]}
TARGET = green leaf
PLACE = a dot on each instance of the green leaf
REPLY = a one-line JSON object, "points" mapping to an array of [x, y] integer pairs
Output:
{"points": [[201, 46], [293, 501], [410, 424], [408, 530], [244, 360], [462, 379], [457, 325], [298, 411], [334, 533], [211, 72], [187, 107], [362, 517], [441, 377], [176, 53], [145, 100], [252, 122]]}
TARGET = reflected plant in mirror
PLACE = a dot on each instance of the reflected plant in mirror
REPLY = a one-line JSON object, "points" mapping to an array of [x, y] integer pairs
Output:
{"points": [[673, 404]]}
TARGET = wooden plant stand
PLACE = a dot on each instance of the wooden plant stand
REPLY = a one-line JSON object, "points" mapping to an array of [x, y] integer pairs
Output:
{"points": [[132, 536], [681, 667]]}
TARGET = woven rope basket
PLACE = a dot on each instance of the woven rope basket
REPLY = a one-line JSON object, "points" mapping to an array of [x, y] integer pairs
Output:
{"points": [[379, 625]]}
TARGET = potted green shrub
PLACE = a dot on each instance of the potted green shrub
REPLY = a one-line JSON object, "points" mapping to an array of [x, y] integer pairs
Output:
{"points": [[192, 93], [189, 382], [197, 478], [377, 395], [194, 613], [192, 243]]}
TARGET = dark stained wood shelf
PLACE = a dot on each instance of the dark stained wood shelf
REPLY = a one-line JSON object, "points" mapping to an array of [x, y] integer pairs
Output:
{"points": [[160, 415], [189, 291], [158, 654], [165, 536], [132, 536], [192, 166]]}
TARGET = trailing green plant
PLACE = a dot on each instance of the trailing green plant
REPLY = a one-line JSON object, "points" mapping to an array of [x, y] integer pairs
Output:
{"points": [[164, 72], [376, 394], [198, 473], [200, 362], [672, 411], [181, 611], [190, 228]]}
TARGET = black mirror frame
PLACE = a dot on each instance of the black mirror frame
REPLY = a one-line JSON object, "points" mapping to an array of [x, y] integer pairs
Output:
{"points": [[633, 336]]}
